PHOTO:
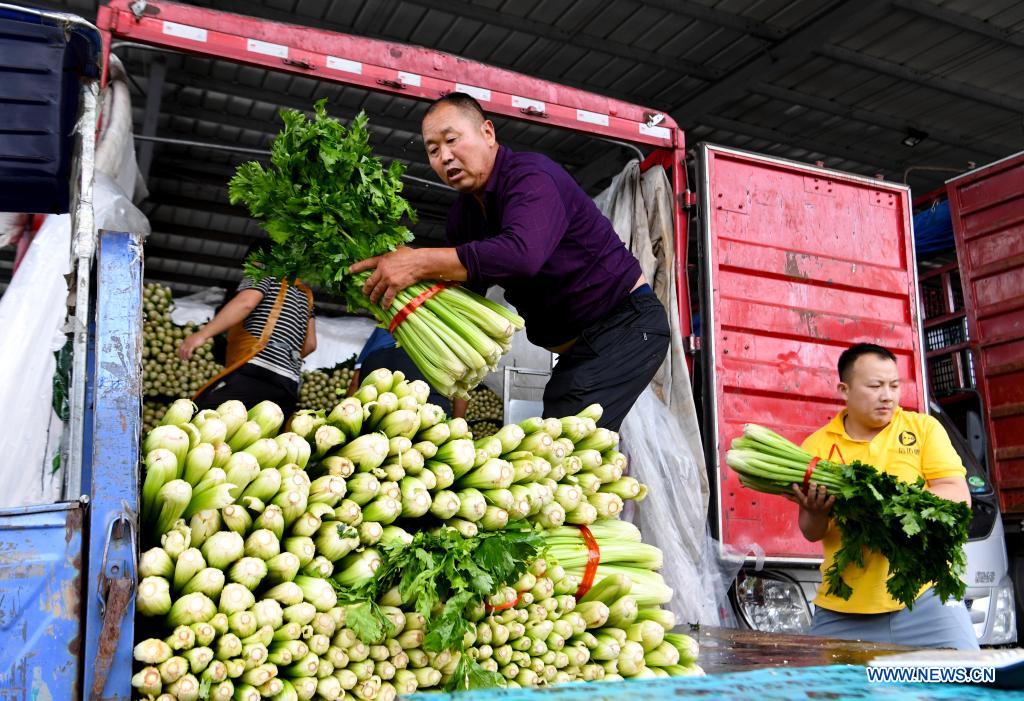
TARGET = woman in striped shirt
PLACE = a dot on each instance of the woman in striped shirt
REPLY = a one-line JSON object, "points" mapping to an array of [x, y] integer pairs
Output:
{"points": [[262, 364]]}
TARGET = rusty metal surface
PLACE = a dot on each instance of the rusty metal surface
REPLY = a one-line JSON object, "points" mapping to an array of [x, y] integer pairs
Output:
{"points": [[40, 601], [800, 262], [116, 385], [987, 209]]}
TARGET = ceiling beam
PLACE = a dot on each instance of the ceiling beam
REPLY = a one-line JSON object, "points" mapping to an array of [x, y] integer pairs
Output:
{"points": [[964, 141], [160, 226], [159, 199], [962, 21], [171, 253], [265, 129], [872, 162], [777, 57], [712, 15], [912, 75], [601, 167], [545, 30]]}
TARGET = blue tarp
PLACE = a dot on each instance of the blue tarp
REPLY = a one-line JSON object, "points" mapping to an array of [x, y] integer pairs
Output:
{"points": [[846, 682], [933, 230]]}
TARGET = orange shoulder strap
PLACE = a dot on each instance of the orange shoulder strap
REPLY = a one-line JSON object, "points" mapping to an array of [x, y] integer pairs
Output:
{"points": [[243, 346]]}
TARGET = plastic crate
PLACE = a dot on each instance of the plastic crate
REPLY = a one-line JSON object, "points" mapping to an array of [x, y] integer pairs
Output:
{"points": [[42, 63]]}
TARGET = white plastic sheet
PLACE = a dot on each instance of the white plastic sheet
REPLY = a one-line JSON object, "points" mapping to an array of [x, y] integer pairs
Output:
{"points": [[673, 517], [639, 206], [197, 308], [337, 340], [32, 312]]}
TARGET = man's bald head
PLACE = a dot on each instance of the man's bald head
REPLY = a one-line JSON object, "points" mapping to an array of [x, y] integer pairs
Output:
{"points": [[466, 104]]}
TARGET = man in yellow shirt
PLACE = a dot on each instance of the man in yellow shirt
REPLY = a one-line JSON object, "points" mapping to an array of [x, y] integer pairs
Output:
{"points": [[875, 430]]}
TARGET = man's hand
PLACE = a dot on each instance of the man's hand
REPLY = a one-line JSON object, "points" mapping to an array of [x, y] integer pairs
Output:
{"points": [[191, 344], [815, 500], [392, 273], [815, 505]]}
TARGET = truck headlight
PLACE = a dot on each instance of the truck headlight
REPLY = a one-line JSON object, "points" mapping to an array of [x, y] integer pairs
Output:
{"points": [[1004, 623], [772, 603]]}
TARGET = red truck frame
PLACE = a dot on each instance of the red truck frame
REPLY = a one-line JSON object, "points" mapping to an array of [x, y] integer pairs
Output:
{"points": [[800, 261]]}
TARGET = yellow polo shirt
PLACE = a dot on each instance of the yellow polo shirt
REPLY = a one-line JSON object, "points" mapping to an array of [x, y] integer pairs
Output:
{"points": [[912, 445]]}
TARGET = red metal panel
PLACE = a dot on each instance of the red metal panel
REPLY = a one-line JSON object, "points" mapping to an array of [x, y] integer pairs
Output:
{"points": [[389, 67], [987, 207], [800, 262]]}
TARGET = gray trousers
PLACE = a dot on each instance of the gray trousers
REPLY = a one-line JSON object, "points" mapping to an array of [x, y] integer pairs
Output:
{"points": [[929, 624]]}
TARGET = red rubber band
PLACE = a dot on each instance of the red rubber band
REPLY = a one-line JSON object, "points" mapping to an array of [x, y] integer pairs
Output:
{"points": [[810, 468], [593, 560], [415, 303], [504, 607]]}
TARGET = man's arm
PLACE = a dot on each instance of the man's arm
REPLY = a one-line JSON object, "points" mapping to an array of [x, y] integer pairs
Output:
{"points": [[459, 407], [353, 384], [393, 272], [534, 219], [952, 488], [234, 312]]}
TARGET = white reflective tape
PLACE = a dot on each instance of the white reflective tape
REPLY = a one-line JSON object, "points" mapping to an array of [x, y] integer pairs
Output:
{"points": [[592, 117], [265, 47], [482, 94], [184, 31], [659, 132], [527, 103], [343, 64], [410, 78]]}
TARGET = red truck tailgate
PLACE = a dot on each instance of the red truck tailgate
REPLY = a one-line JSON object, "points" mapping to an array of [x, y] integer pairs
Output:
{"points": [[987, 208], [799, 262]]}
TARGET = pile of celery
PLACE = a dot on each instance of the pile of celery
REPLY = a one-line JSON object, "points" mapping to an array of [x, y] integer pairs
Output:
{"points": [[258, 542]]}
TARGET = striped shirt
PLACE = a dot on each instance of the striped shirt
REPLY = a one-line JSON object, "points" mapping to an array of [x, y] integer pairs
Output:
{"points": [[283, 353]]}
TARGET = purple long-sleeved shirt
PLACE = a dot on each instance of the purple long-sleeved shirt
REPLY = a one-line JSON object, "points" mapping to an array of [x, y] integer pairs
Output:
{"points": [[544, 240]]}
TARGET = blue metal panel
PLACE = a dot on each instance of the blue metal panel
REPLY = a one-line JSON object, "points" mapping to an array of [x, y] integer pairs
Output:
{"points": [[116, 377], [40, 601], [845, 682]]}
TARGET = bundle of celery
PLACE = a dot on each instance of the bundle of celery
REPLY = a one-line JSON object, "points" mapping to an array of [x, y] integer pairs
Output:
{"points": [[921, 534], [259, 545], [622, 555], [328, 202]]}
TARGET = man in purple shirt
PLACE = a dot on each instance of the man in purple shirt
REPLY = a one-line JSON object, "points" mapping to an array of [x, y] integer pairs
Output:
{"points": [[522, 222]]}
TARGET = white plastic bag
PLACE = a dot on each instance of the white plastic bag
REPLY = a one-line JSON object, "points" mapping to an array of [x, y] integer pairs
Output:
{"points": [[197, 308], [337, 340], [673, 516]]}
